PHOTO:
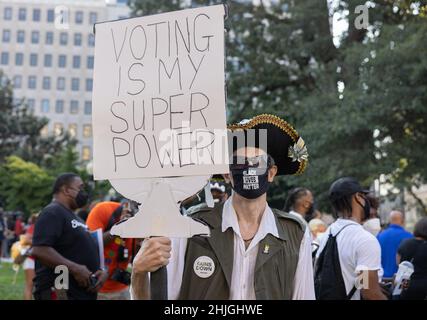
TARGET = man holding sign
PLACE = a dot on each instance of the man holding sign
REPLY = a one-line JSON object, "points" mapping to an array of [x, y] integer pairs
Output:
{"points": [[271, 253], [159, 126], [159, 114], [158, 95]]}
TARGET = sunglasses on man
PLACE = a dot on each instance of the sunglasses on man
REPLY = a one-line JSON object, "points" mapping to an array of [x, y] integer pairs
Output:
{"points": [[259, 163]]}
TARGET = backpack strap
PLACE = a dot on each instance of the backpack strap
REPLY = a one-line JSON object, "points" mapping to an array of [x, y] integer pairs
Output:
{"points": [[314, 248], [353, 290], [351, 293], [350, 224]]}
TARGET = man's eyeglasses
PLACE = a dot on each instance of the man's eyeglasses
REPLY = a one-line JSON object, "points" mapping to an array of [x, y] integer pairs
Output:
{"points": [[262, 162]]}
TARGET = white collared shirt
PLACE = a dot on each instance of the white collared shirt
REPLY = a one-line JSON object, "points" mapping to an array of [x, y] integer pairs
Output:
{"points": [[242, 278], [358, 250]]}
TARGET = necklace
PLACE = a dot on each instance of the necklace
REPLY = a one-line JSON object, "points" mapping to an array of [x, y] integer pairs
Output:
{"points": [[246, 240]]}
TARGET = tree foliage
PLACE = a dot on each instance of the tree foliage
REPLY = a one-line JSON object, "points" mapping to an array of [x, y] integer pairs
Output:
{"points": [[360, 105], [29, 161], [24, 186]]}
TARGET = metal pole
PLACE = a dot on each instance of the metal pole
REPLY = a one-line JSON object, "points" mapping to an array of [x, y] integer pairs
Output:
{"points": [[159, 284]]}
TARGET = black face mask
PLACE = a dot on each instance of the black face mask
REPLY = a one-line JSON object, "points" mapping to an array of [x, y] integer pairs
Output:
{"points": [[82, 198], [249, 183], [310, 212], [366, 209]]}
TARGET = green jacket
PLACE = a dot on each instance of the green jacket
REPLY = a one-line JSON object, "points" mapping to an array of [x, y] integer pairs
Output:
{"points": [[274, 270]]}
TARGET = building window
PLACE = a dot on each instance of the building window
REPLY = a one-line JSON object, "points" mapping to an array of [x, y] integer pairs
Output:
{"points": [[60, 83], [79, 17], [7, 13], [22, 14], [62, 61], [63, 38], [35, 37], [93, 16], [57, 129], [32, 82], [87, 131], [17, 101], [17, 82], [46, 83], [88, 107], [50, 15], [89, 84], [76, 62], [59, 106], [72, 130], [31, 104], [86, 153], [47, 60], [78, 39], [20, 36], [36, 14], [33, 59], [4, 58], [75, 84], [91, 40], [19, 59], [74, 107], [45, 106], [49, 37], [89, 64], [6, 35]]}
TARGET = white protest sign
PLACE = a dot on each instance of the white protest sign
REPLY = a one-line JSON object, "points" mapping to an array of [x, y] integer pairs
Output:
{"points": [[159, 97]]}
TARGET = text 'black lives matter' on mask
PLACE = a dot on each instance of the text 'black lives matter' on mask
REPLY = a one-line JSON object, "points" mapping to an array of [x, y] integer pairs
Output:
{"points": [[250, 176]]}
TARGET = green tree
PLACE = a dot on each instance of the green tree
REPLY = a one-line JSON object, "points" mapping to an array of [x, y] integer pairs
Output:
{"points": [[391, 84], [360, 105], [275, 55], [24, 185], [68, 161]]}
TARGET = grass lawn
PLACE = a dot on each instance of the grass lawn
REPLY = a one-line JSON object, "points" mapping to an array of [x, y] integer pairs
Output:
{"points": [[8, 290]]}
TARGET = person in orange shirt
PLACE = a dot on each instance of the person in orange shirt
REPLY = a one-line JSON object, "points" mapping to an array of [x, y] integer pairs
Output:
{"points": [[117, 252]]}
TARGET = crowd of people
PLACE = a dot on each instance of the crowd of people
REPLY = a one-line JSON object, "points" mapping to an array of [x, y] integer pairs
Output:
{"points": [[253, 251]]}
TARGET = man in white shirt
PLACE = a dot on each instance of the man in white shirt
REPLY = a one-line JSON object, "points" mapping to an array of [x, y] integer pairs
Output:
{"points": [[359, 251], [300, 202], [253, 252]]}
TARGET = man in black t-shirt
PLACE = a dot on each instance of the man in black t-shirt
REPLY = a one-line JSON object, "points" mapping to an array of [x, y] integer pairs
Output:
{"points": [[61, 238]]}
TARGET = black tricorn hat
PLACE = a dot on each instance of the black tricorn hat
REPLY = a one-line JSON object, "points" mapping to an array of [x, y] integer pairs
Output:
{"points": [[283, 142]]}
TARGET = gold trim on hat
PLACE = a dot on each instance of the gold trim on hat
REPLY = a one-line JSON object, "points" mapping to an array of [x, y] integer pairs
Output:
{"points": [[267, 118], [276, 121]]}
